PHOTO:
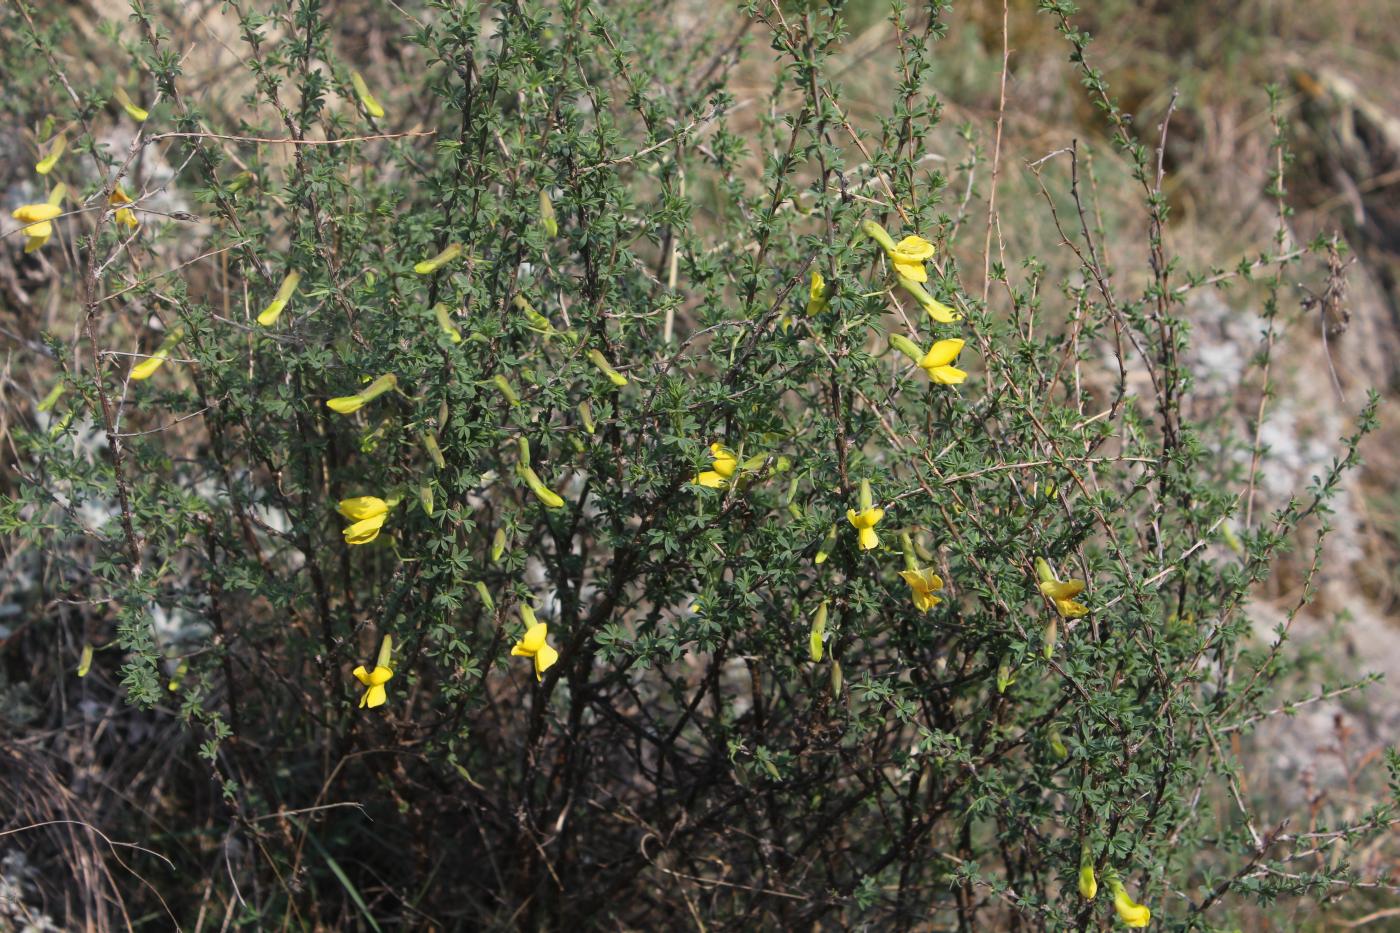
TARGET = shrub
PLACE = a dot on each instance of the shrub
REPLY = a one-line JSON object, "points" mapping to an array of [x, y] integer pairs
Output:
{"points": [[576, 335]]}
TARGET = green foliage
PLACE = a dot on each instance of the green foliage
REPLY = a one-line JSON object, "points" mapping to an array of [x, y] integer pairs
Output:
{"points": [[685, 758]]}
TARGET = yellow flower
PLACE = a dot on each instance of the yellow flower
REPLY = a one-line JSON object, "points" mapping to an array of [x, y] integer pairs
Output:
{"points": [[367, 515], [1062, 593], [273, 311], [937, 362], [137, 113], [533, 644], [56, 147], [375, 681], [922, 585], [349, 404], [366, 98], [865, 522], [429, 266], [725, 463], [39, 217], [125, 215], [866, 519], [1135, 915], [908, 258], [817, 298]]}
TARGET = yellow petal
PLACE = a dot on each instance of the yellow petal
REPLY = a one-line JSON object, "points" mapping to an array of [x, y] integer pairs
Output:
{"points": [[817, 300], [380, 675], [946, 375], [374, 696], [360, 508], [533, 639], [544, 660], [40, 231], [32, 213], [914, 271], [56, 147], [1071, 609], [725, 462], [942, 353], [363, 532], [147, 368], [912, 249], [1067, 589], [869, 540], [361, 675], [710, 479]]}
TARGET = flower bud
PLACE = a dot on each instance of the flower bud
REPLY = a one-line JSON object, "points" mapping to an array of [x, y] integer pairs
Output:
{"points": [[601, 361], [429, 266], [548, 221], [906, 346], [444, 319], [1088, 884], [505, 388], [818, 633], [273, 311], [826, 547], [1005, 676], [877, 233], [366, 98], [50, 159]]}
